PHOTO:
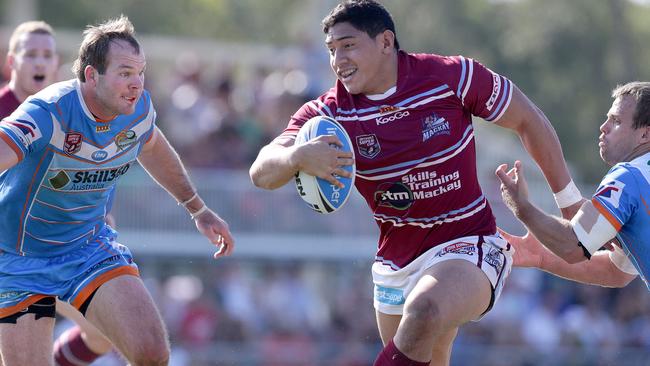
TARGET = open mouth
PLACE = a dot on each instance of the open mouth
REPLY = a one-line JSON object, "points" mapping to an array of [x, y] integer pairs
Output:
{"points": [[347, 74], [39, 78]]}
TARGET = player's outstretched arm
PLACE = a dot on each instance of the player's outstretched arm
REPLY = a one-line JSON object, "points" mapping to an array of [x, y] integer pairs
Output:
{"points": [[277, 163], [599, 270], [163, 164], [541, 142], [556, 233]]}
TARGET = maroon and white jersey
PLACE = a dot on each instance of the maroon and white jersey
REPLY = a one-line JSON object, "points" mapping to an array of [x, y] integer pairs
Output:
{"points": [[415, 150], [8, 101]]}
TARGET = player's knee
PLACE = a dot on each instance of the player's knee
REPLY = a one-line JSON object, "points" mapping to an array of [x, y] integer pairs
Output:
{"points": [[423, 310], [153, 356]]}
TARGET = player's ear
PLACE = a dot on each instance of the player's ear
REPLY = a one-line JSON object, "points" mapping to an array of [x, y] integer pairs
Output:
{"points": [[645, 136], [91, 74], [388, 41]]}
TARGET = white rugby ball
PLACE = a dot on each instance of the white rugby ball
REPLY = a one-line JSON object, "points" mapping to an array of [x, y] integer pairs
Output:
{"points": [[321, 195]]}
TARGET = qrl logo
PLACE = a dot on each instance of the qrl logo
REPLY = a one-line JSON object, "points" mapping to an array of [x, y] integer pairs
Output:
{"points": [[391, 118]]}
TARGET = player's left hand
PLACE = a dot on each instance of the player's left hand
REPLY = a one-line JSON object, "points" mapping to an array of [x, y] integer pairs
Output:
{"points": [[216, 230], [514, 189], [529, 252]]}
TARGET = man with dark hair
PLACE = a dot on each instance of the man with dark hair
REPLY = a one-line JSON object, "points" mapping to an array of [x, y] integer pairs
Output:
{"points": [[619, 211], [62, 152], [440, 261]]}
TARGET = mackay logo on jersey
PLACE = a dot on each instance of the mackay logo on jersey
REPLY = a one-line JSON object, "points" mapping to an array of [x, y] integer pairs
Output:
{"points": [[72, 142], [434, 125], [610, 192], [368, 146], [427, 184]]}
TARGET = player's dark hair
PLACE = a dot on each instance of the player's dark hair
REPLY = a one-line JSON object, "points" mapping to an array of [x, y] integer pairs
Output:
{"points": [[640, 90], [367, 16], [96, 43]]}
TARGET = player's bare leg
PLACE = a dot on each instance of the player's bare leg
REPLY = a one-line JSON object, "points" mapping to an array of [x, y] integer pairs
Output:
{"points": [[448, 295], [28, 342], [125, 313], [441, 350], [90, 334]]}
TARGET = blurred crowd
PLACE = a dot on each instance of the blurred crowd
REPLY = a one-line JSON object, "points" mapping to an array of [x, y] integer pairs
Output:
{"points": [[311, 313]]}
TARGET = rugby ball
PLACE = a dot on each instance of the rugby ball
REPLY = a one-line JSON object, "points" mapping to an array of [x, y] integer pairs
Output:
{"points": [[321, 195]]}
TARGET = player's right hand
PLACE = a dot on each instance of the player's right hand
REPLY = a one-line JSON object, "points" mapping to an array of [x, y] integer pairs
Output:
{"points": [[320, 157]]}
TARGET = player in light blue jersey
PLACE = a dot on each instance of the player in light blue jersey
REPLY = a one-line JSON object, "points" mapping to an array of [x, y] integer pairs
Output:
{"points": [[619, 211], [62, 152]]}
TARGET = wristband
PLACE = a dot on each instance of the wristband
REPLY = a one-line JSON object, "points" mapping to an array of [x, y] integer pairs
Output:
{"points": [[200, 211], [568, 196], [184, 203]]}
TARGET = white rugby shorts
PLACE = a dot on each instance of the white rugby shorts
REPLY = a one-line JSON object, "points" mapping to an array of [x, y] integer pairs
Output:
{"points": [[491, 253]]}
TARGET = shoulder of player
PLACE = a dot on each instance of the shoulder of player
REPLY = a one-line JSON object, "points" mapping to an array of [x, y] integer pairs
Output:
{"points": [[55, 92], [630, 174]]}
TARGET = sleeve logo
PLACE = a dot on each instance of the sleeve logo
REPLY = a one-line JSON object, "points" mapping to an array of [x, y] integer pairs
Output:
{"points": [[610, 192]]}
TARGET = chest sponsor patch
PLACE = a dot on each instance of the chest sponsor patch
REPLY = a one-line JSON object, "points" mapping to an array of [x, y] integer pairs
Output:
{"points": [[394, 194], [368, 146], [72, 142], [434, 125]]}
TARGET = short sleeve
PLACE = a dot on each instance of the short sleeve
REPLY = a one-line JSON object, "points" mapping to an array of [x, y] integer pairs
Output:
{"points": [[616, 195], [28, 129], [483, 92], [324, 105]]}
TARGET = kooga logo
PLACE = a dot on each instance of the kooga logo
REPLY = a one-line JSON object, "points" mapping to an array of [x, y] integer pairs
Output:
{"points": [[391, 118]]}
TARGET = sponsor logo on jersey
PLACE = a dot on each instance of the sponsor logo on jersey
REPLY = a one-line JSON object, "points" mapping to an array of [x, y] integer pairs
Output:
{"points": [[59, 180], [125, 139], [381, 120], [610, 192], [368, 146], [428, 184], [388, 295], [72, 142], [495, 259], [102, 128], [385, 109], [99, 155], [84, 180], [458, 248], [394, 194], [434, 125], [496, 87]]}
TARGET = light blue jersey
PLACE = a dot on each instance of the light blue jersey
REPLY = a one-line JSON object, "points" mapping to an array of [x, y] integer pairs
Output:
{"points": [[55, 199], [623, 197]]}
